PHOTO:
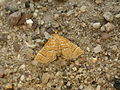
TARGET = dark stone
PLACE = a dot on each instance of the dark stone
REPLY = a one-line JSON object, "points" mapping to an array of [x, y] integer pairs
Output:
{"points": [[117, 83], [27, 4]]}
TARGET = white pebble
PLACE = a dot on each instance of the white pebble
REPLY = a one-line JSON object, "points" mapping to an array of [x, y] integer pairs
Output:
{"points": [[18, 2], [74, 69], [68, 83], [97, 49], [83, 9], [96, 25], [88, 49], [29, 22], [42, 22]]}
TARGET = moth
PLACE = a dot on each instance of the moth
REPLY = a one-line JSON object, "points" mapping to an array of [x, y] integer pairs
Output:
{"points": [[58, 46]]}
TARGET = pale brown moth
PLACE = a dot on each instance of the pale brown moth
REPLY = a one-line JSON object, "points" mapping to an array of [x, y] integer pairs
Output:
{"points": [[58, 46]]}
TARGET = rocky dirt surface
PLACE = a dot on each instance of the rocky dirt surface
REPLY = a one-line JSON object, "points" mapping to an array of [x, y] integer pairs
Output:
{"points": [[25, 26]]}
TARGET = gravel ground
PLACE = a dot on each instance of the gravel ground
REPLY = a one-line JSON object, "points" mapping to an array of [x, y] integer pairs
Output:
{"points": [[25, 26]]}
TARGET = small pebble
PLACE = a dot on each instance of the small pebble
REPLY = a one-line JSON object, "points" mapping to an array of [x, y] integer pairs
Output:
{"points": [[88, 49], [29, 22], [102, 28], [74, 69], [45, 78], [83, 8], [105, 35], [117, 15], [108, 16], [109, 26], [18, 2], [68, 83], [14, 18], [58, 73], [47, 35], [96, 25], [97, 49], [22, 78], [98, 87], [42, 22], [94, 60], [35, 14], [77, 62], [34, 62], [98, 1], [22, 67], [56, 16]]}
